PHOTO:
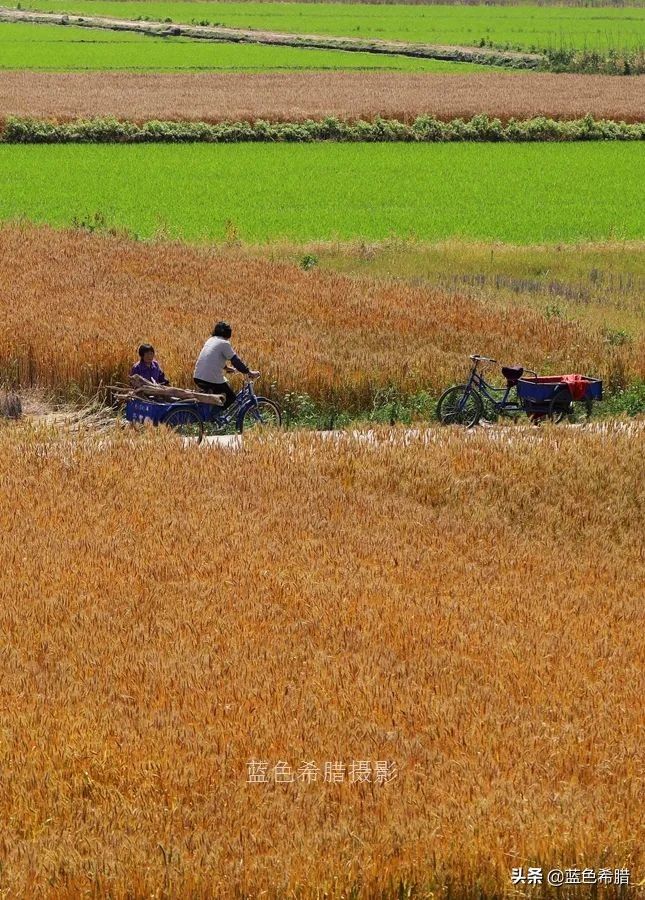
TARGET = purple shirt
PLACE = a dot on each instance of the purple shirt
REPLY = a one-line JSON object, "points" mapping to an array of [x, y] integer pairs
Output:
{"points": [[150, 372]]}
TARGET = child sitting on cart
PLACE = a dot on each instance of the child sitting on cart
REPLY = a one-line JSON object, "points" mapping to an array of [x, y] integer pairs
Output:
{"points": [[148, 367]]}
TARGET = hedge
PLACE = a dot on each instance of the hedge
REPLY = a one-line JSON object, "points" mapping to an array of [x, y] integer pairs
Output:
{"points": [[423, 129]]}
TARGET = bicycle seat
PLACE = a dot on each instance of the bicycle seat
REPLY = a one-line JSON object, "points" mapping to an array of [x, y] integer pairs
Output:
{"points": [[512, 374]]}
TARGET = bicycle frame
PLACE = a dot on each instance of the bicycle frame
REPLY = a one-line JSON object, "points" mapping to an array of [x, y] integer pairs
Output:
{"points": [[245, 399], [491, 393], [488, 391]]}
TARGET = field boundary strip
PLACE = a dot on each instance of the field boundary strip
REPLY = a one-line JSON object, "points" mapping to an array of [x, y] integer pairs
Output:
{"points": [[482, 56], [424, 129]]}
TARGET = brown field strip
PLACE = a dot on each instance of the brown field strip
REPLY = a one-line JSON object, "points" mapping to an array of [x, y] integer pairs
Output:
{"points": [[295, 96], [74, 307], [466, 610]]}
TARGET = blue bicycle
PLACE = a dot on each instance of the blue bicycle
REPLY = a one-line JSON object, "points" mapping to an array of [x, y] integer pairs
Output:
{"points": [[193, 419]]}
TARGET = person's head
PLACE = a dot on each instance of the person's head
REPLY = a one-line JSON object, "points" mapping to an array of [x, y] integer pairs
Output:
{"points": [[146, 353], [222, 330]]}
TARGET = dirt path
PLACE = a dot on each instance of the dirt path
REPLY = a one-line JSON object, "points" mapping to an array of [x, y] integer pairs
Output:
{"points": [[239, 35]]}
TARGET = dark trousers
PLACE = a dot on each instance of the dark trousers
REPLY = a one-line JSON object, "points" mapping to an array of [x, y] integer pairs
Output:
{"points": [[209, 387]]}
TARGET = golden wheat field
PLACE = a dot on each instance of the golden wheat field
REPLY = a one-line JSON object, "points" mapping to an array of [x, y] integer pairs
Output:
{"points": [[74, 306], [172, 618]]}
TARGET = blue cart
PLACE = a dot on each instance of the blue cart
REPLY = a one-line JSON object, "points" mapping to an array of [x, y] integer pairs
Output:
{"points": [[193, 419], [555, 395]]}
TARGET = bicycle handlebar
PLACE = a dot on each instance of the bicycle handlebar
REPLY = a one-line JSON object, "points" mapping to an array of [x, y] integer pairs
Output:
{"points": [[483, 359], [245, 375]]}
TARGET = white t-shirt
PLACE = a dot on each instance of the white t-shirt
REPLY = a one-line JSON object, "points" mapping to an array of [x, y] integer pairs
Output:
{"points": [[212, 359]]}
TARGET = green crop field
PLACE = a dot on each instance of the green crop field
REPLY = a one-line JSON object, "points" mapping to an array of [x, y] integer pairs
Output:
{"points": [[518, 26], [63, 49], [517, 193]]}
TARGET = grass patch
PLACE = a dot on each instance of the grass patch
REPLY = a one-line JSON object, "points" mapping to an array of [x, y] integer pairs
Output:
{"points": [[521, 27], [522, 193]]}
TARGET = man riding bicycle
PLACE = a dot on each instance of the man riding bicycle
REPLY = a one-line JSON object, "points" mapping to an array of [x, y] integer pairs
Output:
{"points": [[212, 364]]}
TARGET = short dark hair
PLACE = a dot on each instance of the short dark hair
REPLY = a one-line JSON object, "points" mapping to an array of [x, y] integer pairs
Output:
{"points": [[145, 348], [223, 330]]}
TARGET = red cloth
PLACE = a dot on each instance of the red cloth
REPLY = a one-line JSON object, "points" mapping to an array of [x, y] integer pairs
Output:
{"points": [[577, 385]]}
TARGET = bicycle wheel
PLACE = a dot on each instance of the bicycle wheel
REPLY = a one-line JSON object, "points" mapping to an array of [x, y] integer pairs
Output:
{"points": [[563, 407], [186, 422], [261, 416], [459, 406]]}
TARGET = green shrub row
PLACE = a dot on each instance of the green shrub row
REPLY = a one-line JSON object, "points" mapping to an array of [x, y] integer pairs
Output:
{"points": [[595, 62], [390, 406], [424, 128]]}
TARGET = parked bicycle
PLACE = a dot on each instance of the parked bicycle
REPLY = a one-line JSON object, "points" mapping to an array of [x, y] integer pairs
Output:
{"points": [[553, 397]]}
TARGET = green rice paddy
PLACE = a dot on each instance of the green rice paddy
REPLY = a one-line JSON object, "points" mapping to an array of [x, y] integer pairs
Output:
{"points": [[522, 194], [527, 27], [51, 47]]}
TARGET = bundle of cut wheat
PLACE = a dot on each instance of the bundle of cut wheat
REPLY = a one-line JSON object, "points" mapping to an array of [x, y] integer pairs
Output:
{"points": [[142, 389]]}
